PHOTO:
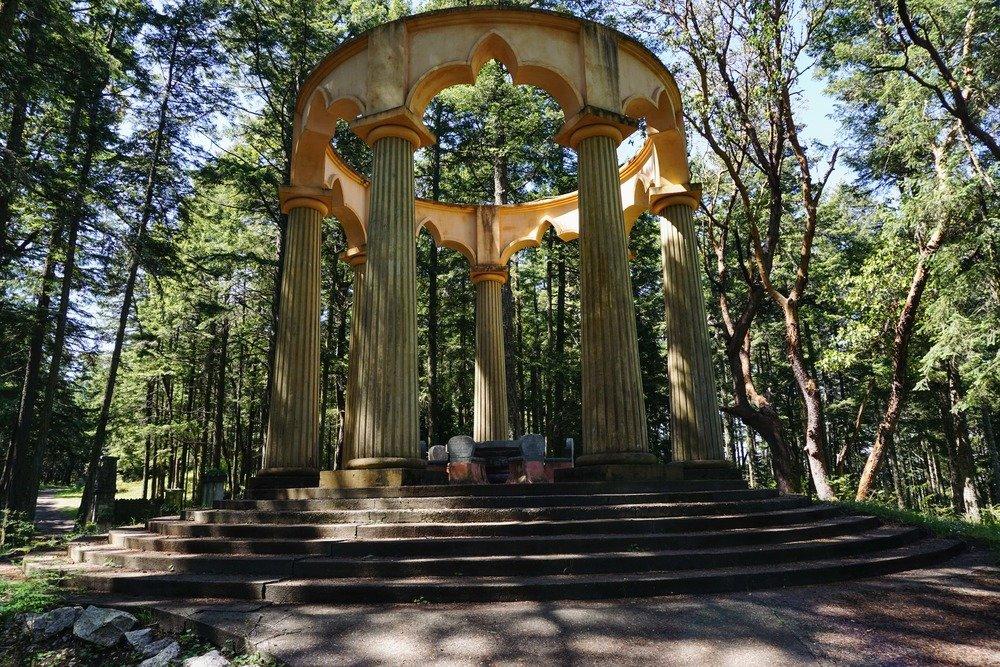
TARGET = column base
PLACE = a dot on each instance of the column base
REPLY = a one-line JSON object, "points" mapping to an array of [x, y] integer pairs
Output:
{"points": [[366, 478], [386, 462], [283, 478]]}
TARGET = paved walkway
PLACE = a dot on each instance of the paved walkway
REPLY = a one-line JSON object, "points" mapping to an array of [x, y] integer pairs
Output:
{"points": [[949, 615], [53, 514]]}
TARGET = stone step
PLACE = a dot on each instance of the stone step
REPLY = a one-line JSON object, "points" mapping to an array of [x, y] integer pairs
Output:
{"points": [[498, 502], [513, 528], [273, 543], [473, 490], [629, 526], [494, 515], [633, 560], [550, 587]]}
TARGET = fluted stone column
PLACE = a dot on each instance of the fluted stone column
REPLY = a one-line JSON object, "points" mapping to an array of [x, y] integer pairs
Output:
{"points": [[357, 258], [695, 425], [614, 412], [292, 445], [490, 420], [387, 427]]}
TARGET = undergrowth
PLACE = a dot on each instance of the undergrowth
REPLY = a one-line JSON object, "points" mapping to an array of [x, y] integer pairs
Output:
{"points": [[986, 534], [33, 594]]}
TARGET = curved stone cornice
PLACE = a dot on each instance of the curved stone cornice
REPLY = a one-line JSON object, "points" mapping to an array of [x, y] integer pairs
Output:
{"points": [[384, 79]]}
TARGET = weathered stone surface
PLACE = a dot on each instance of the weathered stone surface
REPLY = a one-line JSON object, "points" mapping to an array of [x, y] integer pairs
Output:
{"points": [[379, 477], [387, 430], [292, 445], [153, 648], [169, 653], [139, 639], [625, 472], [532, 447], [461, 448], [614, 410], [102, 626], [51, 623], [437, 453], [211, 659], [696, 429], [467, 472], [490, 420]]}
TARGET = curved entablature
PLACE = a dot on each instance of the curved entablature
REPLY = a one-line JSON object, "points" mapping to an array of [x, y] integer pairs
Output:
{"points": [[390, 74]]}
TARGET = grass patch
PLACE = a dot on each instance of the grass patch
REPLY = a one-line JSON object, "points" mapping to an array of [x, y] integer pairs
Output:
{"points": [[31, 595], [65, 491], [984, 534]]}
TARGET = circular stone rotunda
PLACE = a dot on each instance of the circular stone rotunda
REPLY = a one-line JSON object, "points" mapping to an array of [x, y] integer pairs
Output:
{"points": [[389, 529]]}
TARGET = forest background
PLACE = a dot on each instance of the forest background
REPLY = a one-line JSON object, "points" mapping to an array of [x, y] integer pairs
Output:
{"points": [[854, 319]]}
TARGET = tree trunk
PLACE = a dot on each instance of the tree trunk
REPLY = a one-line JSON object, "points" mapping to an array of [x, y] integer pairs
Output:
{"points": [[14, 150], [993, 448], [886, 432], [840, 464], [815, 432], [219, 439], [148, 460], [757, 412], [16, 483], [963, 467], [152, 181]]}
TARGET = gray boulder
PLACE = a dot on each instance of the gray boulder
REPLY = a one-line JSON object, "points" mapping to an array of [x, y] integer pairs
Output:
{"points": [[162, 659], [139, 639], [153, 648], [43, 626], [104, 627], [211, 659]]}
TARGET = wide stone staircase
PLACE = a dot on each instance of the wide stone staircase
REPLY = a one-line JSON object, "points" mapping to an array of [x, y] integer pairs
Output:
{"points": [[499, 542]]}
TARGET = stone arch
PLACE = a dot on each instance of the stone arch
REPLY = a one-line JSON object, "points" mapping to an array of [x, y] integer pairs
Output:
{"points": [[397, 68], [440, 234], [492, 46]]}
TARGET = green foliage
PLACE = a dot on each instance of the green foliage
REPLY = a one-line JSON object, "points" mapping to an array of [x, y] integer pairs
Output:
{"points": [[30, 595], [15, 531], [985, 534]]}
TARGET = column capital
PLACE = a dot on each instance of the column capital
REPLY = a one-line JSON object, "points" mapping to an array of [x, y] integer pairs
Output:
{"points": [[355, 256], [297, 196], [591, 121], [398, 122], [492, 272], [672, 195]]}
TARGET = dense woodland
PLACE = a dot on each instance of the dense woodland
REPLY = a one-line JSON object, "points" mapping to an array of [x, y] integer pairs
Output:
{"points": [[853, 280]]}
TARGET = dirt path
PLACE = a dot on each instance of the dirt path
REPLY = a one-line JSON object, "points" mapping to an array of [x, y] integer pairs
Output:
{"points": [[54, 514]]}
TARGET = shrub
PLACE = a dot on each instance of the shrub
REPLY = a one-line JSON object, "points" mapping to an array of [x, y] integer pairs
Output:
{"points": [[15, 532]]}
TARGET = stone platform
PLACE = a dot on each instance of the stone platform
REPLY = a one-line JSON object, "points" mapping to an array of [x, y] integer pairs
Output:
{"points": [[487, 543], [944, 615]]}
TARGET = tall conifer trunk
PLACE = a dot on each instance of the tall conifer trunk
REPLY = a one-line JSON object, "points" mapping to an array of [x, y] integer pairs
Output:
{"points": [[146, 214]]}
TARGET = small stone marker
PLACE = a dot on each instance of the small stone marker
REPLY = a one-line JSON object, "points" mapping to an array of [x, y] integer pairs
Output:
{"points": [[461, 448], [43, 626], [162, 659], [211, 659], [437, 453], [102, 626], [532, 447]]}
